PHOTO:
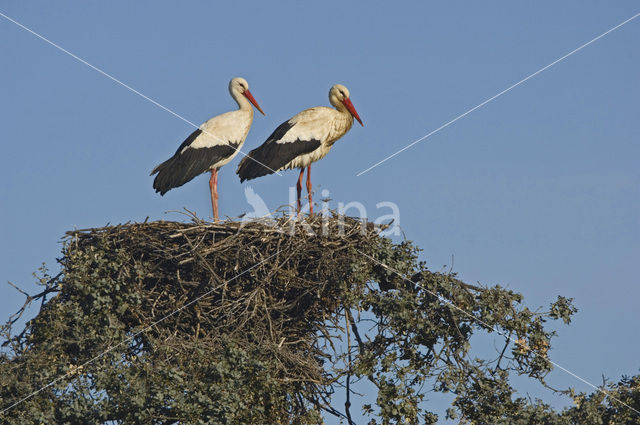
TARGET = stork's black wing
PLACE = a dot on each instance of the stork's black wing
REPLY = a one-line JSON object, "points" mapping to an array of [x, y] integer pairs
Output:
{"points": [[189, 162], [283, 146]]}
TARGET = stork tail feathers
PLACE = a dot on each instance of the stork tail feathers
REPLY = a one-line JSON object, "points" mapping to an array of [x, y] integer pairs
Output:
{"points": [[166, 178], [249, 169], [184, 166]]}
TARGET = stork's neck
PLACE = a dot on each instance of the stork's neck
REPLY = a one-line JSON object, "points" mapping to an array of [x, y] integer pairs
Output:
{"points": [[338, 105], [347, 119], [242, 101], [341, 123]]}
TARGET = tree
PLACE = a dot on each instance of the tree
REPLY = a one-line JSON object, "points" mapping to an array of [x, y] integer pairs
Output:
{"points": [[169, 322]]}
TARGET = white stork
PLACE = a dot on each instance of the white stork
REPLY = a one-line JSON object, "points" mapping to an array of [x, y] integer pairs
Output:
{"points": [[211, 146], [302, 140]]}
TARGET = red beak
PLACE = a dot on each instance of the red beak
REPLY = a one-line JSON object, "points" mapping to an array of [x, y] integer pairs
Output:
{"points": [[347, 102], [249, 96]]}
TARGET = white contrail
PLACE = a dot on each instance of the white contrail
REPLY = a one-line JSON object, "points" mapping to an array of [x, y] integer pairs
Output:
{"points": [[498, 95], [114, 79]]}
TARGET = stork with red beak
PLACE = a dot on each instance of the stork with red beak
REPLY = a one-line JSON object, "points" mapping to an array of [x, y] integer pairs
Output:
{"points": [[302, 140], [212, 145]]}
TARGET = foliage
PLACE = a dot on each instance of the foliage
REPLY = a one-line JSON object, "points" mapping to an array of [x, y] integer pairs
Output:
{"points": [[208, 323]]}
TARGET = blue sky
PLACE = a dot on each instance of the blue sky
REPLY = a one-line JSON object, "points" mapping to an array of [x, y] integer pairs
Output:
{"points": [[537, 191]]}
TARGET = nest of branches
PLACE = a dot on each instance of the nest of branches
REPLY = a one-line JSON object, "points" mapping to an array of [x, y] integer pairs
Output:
{"points": [[259, 322], [269, 287]]}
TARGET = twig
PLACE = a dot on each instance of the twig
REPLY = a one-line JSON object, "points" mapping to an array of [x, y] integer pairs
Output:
{"points": [[347, 403]]}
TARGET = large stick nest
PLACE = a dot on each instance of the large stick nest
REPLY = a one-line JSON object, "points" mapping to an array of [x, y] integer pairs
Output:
{"points": [[267, 286], [259, 323]]}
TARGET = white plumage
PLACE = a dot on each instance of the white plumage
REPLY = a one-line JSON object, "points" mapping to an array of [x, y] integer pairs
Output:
{"points": [[228, 128], [319, 123], [302, 140], [214, 144]]}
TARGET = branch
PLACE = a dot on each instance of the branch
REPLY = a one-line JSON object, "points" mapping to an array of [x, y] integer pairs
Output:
{"points": [[347, 403]]}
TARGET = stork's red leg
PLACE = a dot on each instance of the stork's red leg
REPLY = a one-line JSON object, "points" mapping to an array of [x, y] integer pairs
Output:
{"points": [[299, 189], [213, 186], [309, 189]]}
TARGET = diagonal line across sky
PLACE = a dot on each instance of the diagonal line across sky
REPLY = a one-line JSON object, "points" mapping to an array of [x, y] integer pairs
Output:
{"points": [[480, 105], [131, 89], [495, 329], [359, 174]]}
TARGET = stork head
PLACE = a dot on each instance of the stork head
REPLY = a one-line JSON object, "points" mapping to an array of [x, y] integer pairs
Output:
{"points": [[339, 97], [239, 87]]}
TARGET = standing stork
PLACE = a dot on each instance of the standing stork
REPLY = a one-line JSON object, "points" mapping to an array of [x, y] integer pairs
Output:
{"points": [[212, 145], [302, 140]]}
